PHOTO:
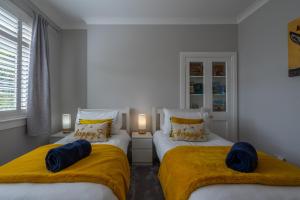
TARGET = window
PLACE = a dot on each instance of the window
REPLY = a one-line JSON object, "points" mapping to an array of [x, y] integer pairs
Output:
{"points": [[15, 39]]}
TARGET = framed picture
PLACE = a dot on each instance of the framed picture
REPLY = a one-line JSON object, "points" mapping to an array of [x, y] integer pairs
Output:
{"points": [[294, 47]]}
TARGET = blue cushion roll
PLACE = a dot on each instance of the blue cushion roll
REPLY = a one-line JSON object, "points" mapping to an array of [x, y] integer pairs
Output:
{"points": [[242, 157], [63, 156]]}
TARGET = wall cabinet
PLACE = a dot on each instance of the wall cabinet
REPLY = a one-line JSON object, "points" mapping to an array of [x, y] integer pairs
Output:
{"points": [[209, 81]]}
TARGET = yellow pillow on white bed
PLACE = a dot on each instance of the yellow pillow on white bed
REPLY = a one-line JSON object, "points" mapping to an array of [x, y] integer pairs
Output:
{"points": [[92, 132], [98, 121], [188, 129]]}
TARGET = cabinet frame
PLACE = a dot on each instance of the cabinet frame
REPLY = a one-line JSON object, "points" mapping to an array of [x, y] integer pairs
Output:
{"points": [[186, 57]]}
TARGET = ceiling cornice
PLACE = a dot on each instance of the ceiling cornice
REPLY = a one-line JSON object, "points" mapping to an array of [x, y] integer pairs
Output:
{"points": [[163, 21], [251, 9], [158, 21]]}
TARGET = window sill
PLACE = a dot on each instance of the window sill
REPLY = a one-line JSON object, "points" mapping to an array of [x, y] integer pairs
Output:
{"points": [[12, 123]]}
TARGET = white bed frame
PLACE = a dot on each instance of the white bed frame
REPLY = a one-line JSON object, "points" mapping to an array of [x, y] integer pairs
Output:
{"points": [[124, 115], [157, 119]]}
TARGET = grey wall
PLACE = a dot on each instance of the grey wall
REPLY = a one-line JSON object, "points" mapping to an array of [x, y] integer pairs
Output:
{"points": [[15, 142], [67, 54], [73, 71], [269, 101], [138, 65]]}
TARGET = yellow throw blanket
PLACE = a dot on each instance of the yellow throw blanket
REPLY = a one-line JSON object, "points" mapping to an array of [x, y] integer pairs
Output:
{"points": [[107, 165], [186, 168]]}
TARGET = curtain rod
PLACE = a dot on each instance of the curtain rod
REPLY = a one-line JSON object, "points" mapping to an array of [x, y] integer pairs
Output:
{"points": [[29, 7]]}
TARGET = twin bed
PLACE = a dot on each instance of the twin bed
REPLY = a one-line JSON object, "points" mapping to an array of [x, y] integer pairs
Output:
{"points": [[120, 139], [71, 191], [163, 144], [225, 191]]}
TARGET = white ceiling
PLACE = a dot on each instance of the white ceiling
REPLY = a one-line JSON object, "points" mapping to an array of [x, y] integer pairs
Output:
{"points": [[77, 13]]}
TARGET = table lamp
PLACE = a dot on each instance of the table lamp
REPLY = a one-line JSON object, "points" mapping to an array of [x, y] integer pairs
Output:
{"points": [[66, 123], [142, 123]]}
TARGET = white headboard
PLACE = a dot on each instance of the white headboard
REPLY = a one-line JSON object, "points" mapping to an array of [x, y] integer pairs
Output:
{"points": [[124, 115], [158, 118]]}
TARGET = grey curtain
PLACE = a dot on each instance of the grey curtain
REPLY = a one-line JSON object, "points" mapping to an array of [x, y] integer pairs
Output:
{"points": [[38, 107]]}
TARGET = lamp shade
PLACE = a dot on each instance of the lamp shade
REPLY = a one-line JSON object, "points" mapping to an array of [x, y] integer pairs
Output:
{"points": [[142, 122], [66, 122]]}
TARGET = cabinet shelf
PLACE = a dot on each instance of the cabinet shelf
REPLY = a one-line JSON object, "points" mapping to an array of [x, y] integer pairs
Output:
{"points": [[219, 94], [196, 76], [196, 94], [219, 76]]}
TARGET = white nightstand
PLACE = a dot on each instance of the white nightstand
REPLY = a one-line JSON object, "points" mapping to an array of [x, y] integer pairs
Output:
{"points": [[142, 148], [57, 136]]}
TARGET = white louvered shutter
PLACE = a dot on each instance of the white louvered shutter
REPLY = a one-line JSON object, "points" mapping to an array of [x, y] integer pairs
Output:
{"points": [[8, 61], [26, 41], [15, 39]]}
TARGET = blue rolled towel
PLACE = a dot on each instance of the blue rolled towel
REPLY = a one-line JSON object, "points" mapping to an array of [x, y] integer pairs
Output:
{"points": [[242, 157], [63, 156]]}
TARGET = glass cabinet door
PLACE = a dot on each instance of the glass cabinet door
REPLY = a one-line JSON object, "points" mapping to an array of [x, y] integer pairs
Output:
{"points": [[207, 85], [219, 86], [208, 81], [196, 84]]}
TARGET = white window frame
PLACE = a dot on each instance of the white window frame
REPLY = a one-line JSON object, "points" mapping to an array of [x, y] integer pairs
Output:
{"points": [[15, 118]]}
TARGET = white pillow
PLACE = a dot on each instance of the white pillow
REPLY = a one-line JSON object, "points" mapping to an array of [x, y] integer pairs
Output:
{"points": [[181, 113], [93, 114]]}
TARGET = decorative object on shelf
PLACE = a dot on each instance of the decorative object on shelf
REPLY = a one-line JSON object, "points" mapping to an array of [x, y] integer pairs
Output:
{"points": [[192, 90], [196, 69], [66, 123], [142, 123], [219, 69], [294, 47], [219, 105], [218, 88], [198, 88]]}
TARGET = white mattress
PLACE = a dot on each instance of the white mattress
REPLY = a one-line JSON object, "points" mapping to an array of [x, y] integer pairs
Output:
{"points": [[64, 191], [226, 191]]}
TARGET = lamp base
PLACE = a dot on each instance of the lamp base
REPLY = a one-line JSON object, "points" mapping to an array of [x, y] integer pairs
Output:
{"points": [[65, 131], [142, 131]]}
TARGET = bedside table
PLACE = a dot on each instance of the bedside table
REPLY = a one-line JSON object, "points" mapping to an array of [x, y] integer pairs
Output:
{"points": [[57, 136], [141, 148]]}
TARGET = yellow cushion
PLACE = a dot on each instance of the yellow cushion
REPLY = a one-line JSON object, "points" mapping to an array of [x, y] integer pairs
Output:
{"points": [[98, 121], [187, 129], [92, 132], [94, 121], [186, 121]]}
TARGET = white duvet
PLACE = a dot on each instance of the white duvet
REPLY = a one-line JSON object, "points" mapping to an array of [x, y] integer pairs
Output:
{"points": [[64, 191], [226, 191]]}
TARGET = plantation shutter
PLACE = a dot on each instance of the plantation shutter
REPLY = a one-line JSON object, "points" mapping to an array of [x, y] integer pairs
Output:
{"points": [[15, 39], [8, 61], [26, 40]]}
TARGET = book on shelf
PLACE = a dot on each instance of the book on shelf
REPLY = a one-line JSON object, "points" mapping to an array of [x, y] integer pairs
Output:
{"points": [[219, 69]]}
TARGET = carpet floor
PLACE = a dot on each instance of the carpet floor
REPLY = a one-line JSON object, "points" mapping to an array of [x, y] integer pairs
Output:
{"points": [[145, 184]]}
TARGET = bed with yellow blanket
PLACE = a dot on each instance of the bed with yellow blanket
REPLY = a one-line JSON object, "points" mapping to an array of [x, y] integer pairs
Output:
{"points": [[197, 171], [106, 168]]}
